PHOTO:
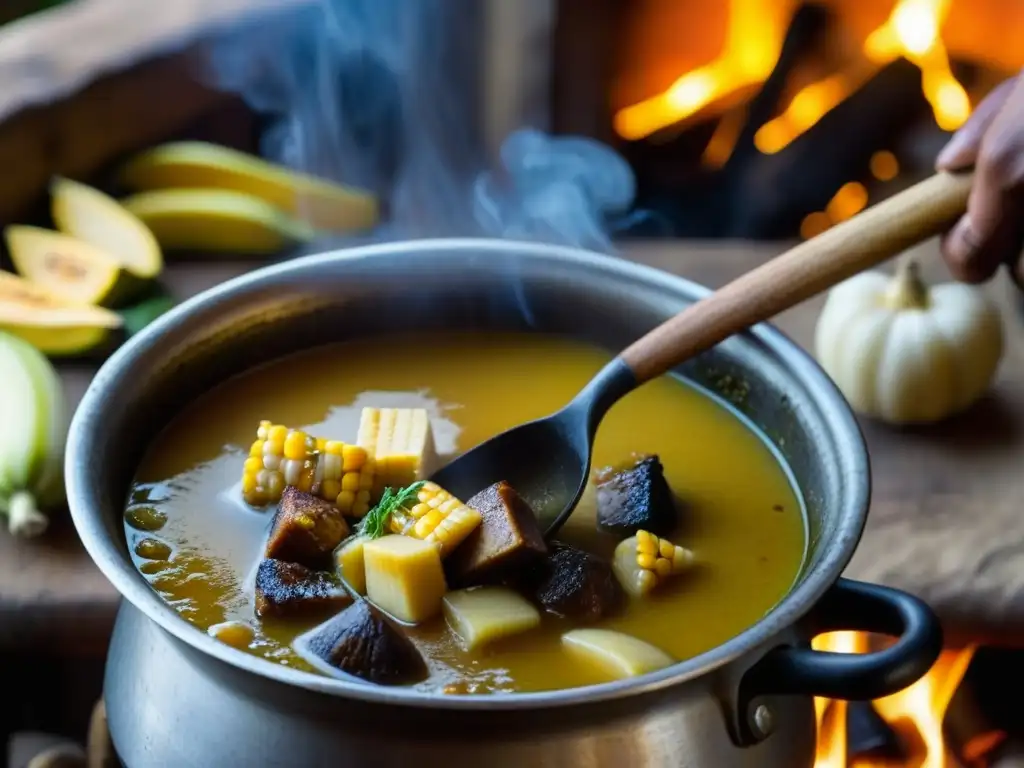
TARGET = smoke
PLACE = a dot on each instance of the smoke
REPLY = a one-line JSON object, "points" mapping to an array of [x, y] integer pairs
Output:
{"points": [[384, 95]]}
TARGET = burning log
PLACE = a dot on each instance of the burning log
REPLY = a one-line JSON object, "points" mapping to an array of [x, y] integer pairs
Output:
{"points": [[869, 736], [778, 190], [969, 733], [805, 31], [701, 201]]}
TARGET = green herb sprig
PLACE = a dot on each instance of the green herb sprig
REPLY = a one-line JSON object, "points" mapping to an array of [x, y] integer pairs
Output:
{"points": [[375, 524]]}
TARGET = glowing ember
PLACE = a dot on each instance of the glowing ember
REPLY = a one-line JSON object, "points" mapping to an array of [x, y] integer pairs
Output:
{"points": [[755, 34], [917, 711]]}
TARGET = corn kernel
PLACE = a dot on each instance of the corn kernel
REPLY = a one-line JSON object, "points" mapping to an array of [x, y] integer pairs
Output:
{"points": [[277, 433], [295, 446], [419, 510], [334, 447], [350, 482], [257, 448], [274, 486], [645, 560], [345, 500], [353, 457], [330, 489]]}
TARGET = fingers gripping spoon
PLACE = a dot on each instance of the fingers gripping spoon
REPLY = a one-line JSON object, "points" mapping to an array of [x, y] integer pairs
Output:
{"points": [[548, 460]]}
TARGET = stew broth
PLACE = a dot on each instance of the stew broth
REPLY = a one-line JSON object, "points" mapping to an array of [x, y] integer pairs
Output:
{"points": [[739, 512]]}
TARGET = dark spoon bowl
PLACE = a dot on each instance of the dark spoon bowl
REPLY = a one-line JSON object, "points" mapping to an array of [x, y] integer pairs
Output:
{"points": [[543, 458]]}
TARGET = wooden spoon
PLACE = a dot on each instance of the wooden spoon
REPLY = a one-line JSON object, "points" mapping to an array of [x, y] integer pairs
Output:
{"points": [[548, 461]]}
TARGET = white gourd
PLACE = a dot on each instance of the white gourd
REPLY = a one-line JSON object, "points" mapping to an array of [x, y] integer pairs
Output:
{"points": [[906, 353]]}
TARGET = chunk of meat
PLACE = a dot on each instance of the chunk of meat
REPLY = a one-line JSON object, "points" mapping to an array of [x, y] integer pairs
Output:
{"points": [[305, 529], [289, 589], [360, 641], [508, 539], [635, 497], [577, 584]]}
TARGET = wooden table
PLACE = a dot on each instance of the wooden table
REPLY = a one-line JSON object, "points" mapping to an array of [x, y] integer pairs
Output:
{"points": [[944, 521]]}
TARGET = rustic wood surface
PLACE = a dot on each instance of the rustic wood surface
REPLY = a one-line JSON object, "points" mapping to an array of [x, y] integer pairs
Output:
{"points": [[945, 521], [50, 55]]}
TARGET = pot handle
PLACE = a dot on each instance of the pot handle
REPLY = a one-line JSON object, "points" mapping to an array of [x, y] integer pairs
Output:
{"points": [[855, 605]]}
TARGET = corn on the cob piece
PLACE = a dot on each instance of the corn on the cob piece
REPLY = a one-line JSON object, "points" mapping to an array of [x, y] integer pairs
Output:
{"points": [[330, 469], [644, 561], [401, 444], [437, 517]]}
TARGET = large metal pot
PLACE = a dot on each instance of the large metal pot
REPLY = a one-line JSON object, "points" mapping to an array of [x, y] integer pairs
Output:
{"points": [[177, 698]]}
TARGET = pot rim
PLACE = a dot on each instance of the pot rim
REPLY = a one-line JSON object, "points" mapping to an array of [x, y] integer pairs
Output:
{"points": [[111, 556]]}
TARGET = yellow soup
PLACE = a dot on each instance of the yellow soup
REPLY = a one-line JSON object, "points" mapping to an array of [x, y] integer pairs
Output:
{"points": [[198, 542]]}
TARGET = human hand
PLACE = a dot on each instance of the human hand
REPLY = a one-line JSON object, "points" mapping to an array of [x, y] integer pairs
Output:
{"points": [[992, 231]]}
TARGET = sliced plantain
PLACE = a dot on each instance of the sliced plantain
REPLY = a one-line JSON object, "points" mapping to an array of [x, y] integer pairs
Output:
{"points": [[69, 268], [54, 327], [217, 220], [90, 215], [323, 204]]}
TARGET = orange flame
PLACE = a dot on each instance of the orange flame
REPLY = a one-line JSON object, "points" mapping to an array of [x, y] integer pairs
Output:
{"points": [[752, 46], [754, 38], [922, 707]]}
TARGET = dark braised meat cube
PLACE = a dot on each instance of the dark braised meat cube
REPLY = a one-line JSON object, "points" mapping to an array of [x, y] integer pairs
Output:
{"points": [[289, 589], [360, 641], [635, 498], [305, 529], [576, 584], [507, 539]]}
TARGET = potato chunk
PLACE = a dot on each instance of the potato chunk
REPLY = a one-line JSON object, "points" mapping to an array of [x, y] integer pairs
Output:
{"points": [[404, 577], [617, 654], [481, 615], [348, 559]]}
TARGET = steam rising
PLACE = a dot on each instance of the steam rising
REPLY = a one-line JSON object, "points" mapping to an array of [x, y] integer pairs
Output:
{"points": [[381, 94]]}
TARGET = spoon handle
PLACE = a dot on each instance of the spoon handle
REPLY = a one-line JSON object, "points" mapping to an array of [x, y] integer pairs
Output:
{"points": [[859, 243]]}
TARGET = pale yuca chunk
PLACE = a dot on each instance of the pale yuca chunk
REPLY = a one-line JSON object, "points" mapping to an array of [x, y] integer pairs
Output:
{"points": [[348, 558], [401, 443], [615, 653], [481, 615], [404, 577]]}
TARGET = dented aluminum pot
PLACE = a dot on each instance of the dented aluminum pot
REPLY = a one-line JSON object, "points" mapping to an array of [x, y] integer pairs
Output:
{"points": [[175, 697]]}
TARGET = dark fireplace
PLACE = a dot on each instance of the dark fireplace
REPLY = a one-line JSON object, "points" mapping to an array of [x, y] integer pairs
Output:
{"points": [[774, 119]]}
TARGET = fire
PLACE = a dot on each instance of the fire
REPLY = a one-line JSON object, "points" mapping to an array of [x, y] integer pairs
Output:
{"points": [[919, 709], [752, 46], [754, 38]]}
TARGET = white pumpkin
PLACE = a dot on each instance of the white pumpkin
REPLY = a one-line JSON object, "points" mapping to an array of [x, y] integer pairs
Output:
{"points": [[906, 353]]}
